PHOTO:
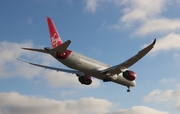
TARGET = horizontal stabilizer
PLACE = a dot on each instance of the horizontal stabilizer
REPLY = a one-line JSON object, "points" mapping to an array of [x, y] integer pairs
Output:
{"points": [[62, 48], [38, 50]]}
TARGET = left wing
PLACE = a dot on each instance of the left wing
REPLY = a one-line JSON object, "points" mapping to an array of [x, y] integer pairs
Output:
{"points": [[119, 68], [54, 68]]}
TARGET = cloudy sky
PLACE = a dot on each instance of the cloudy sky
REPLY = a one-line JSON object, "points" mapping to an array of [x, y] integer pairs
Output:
{"points": [[107, 30]]}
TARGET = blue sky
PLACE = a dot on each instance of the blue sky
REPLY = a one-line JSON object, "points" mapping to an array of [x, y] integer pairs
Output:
{"points": [[107, 30]]}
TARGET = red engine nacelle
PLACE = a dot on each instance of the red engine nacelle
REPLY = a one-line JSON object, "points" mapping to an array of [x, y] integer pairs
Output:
{"points": [[85, 79], [129, 75]]}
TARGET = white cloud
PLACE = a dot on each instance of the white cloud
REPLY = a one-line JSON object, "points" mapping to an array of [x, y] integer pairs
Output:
{"points": [[178, 85], [140, 110], [141, 10], [147, 16], [10, 66], [164, 96], [158, 96], [167, 43], [58, 79], [91, 5], [167, 80], [162, 25], [15, 103], [144, 13]]}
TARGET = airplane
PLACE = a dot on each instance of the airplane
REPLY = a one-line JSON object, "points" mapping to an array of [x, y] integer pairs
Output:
{"points": [[85, 67]]}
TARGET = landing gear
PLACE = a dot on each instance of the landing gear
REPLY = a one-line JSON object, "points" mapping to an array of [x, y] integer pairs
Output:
{"points": [[107, 79], [128, 90]]}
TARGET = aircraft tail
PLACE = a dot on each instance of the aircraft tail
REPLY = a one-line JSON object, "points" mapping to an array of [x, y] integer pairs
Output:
{"points": [[54, 35]]}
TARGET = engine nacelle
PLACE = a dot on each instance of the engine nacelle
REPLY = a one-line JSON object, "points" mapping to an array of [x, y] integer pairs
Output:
{"points": [[129, 75], [85, 79]]}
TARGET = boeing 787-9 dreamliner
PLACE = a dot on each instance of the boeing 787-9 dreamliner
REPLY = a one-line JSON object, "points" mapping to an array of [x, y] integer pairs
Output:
{"points": [[85, 67]]}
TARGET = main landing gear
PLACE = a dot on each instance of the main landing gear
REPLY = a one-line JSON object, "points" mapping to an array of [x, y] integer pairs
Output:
{"points": [[128, 90], [107, 79]]}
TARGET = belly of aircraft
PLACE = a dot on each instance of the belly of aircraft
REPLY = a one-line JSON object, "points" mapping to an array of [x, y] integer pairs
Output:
{"points": [[92, 69]]}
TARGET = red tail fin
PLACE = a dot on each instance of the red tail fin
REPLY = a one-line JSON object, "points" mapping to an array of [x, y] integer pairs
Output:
{"points": [[54, 35]]}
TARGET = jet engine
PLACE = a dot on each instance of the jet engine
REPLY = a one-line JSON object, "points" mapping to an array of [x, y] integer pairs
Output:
{"points": [[85, 79], [129, 75]]}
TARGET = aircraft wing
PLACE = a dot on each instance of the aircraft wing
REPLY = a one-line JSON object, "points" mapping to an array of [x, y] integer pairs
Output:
{"points": [[54, 68], [119, 68]]}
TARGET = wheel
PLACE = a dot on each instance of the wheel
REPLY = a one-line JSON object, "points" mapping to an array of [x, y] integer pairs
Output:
{"points": [[128, 90]]}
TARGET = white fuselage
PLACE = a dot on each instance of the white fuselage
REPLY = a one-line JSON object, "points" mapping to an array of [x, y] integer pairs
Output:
{"points": [[91, 67]]}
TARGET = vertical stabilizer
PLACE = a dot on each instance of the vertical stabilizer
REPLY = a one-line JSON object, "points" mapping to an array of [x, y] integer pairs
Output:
{"points": [[54, 35]]}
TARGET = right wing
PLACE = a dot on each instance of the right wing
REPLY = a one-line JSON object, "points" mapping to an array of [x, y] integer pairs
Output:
{"points": [[54, 68], [119, 68]]}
